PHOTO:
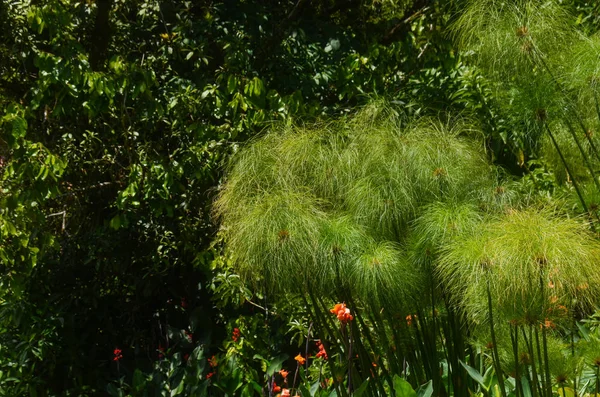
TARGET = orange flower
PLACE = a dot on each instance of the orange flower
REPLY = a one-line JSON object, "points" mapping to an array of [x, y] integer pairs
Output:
{"points": [[337, 308], [563, 309], [212, 361], [284, 373], [410, 318], [342, 313], [549, 324], [301, 360]]}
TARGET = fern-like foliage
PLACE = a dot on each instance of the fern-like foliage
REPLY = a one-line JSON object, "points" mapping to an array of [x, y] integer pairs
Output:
{"points": [[328, 208], [534, 262], [402, 217]]}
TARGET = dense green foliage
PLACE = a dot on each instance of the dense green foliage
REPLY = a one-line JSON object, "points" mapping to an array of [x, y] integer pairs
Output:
{"points": [[403, 218], [118, 118]]}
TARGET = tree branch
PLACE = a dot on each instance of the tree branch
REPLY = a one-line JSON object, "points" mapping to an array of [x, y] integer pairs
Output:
{"points": [[297, 10], [100, 35], [403, 27]]}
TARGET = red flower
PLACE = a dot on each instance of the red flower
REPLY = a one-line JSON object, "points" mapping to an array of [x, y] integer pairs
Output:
{"points": [[276, 389], [285, 393], [117, 354], [186, 357], [209, 375], [183, 303], [342, 313], [161, 349], [322, 352], [189, 336], [236, 334]]}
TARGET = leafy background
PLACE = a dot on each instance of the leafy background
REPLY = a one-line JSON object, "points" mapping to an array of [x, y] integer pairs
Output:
{"points": [[118, 118]]}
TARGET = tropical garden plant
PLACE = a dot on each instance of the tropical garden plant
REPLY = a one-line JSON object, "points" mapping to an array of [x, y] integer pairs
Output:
{"points": [[195, 200], [401, 220]]}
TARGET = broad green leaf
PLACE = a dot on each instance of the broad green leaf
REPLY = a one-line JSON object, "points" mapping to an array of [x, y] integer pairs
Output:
{"points": [[256, 387], [304, 392], [473, 373], [403, 388], [115, 222], [276, 364], [113, 391], [583, 330], [19, 127], [566, 392], [231, 84], [362, 388], [139, 379], [314, 387], [526, 387], [488, 377], [425, 390]]}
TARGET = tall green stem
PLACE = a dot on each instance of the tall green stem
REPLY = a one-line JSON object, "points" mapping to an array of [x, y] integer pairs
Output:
{"points": [[569, 107], [544, 336], [350, 361], [417, 372], [597, 105], [541, 363], [427, 357], [325, 326], [363, 353], [575, 183], [496, 358], [583, 155], [573, 328], [535, 384], [379, 325], [597, 381], [515, 342], [547, 363]]}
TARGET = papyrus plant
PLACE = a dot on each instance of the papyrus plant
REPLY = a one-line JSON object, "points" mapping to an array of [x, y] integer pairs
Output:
{"points": [[326, 211], [545, 74], [411, 227], [528, 271]]}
